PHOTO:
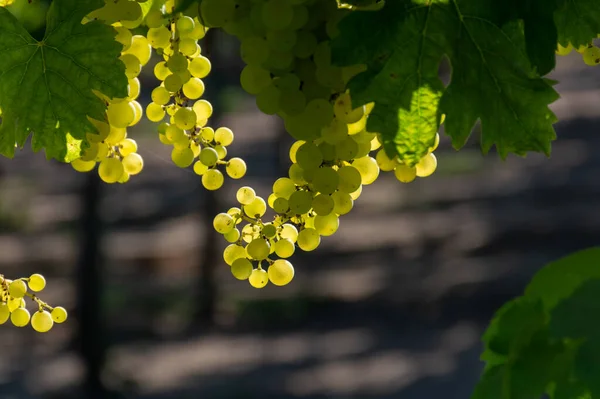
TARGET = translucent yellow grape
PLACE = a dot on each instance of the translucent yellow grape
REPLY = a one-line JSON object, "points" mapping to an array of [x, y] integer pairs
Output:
{"points": [[289, 231], [233, 252], [127, 147], [256, 208], [133, 163], [4, 313], [185, 118], [133, 66], [193, 88], [591, 56], [368, 169], [308, 239], [200, 168], [161, 96], [20, 317], [140, 48], [327, 225], [59, 314], [223, 223], [83, 166], [426, 166], [155, 112], [258, 249], [121, 115], [281, 272], [236, 168], [182, 157], [17, 289], [110, 170], [385, 163], [36, 282], [208, 156], [405, 173], [133, 89], [203, 109], [41, 321], [173, 83], [213, 179], [245, 195], [284, 248], [259, 278]]}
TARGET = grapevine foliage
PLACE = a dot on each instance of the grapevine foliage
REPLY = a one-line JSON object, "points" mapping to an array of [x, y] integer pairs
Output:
{"points": [[46, 86], [548, 340]]}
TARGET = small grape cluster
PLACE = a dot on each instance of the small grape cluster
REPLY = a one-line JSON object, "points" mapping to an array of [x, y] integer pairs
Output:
{"points": [[589, 53], [286, 47], [181, 73], [110, 147], [13, 306]]}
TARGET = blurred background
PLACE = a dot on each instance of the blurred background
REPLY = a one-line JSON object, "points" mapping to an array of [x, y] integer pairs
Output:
{"points": [[391, 306]]}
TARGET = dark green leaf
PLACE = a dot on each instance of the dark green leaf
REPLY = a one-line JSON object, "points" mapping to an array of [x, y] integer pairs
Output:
{"points": [[578, 21]]}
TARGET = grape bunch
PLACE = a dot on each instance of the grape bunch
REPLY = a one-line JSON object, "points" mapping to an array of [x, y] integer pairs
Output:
{"points": [[589, 53], [179, 96], [286, 47], [110, 148], [13, 306]]}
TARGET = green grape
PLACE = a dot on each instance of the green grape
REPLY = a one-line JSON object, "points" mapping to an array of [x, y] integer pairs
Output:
{"points": [[102, 151], [212, 179], [436, 143], [185, 118], [184, 24], [368, 169], [16, 303], [426, 166], [200, 67], [155, 112], [363, 149], [223, 223], [200, 168], [236, 168], [309, 156], [326, 180], [140, 48], [591, 56], [297, 174], [59, 314], [120, 115], [405, 173], [335, 132], [301, 127], [42, 321], [199, 30], [280, 205], [308, 239], [241, 269], [250, 232], [217, 13], [280, 61], [294, 149], [284, 187], [300, 202], [161, 96], [159, 37], [292, 102], [4, 313], [133, 67], [154, 19], [289, 231], [328, 151], [36, 282], [189, 47], [305, 44], [343, 202], [233, 252], [281, 40], [161, 71], [175, 134], [124, 36], [350, 179], [284, 248], [133, 89], [110, 170], [224, 136], [83, 166], [235, 213], [208, 156], [207, 134], [254, 50], [560, 50], [277, 14], [259, 278], [344, 112], [124, 178], [245, 195], [281, 272], [17, 289], [203, 109], [323, 204], [133, 163], [355, 128], [193, 88], [20, 317], [233, 235], [256, 208], [269, 230], [254, 79], [173, 83], [258, 249], [384, 162], [347, 149], [177, 63], [139, 112], [300, 17], [182, 157], [267, 100], [327, 225]]}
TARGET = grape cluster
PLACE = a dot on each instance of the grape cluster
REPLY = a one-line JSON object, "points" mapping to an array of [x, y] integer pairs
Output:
{"points": [[589, 53], [179, 96], [285, 45], [13, 306], [110, 147]]}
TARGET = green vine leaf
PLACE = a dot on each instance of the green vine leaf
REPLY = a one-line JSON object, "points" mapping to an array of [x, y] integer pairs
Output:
{"points": [[492, 78], [578, 21], [46, 86]]}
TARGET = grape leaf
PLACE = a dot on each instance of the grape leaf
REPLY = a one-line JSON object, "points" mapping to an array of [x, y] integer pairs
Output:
{"points": [[559, 279], [577, 316], [492, 79], [46, 86], [578, 21]]}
